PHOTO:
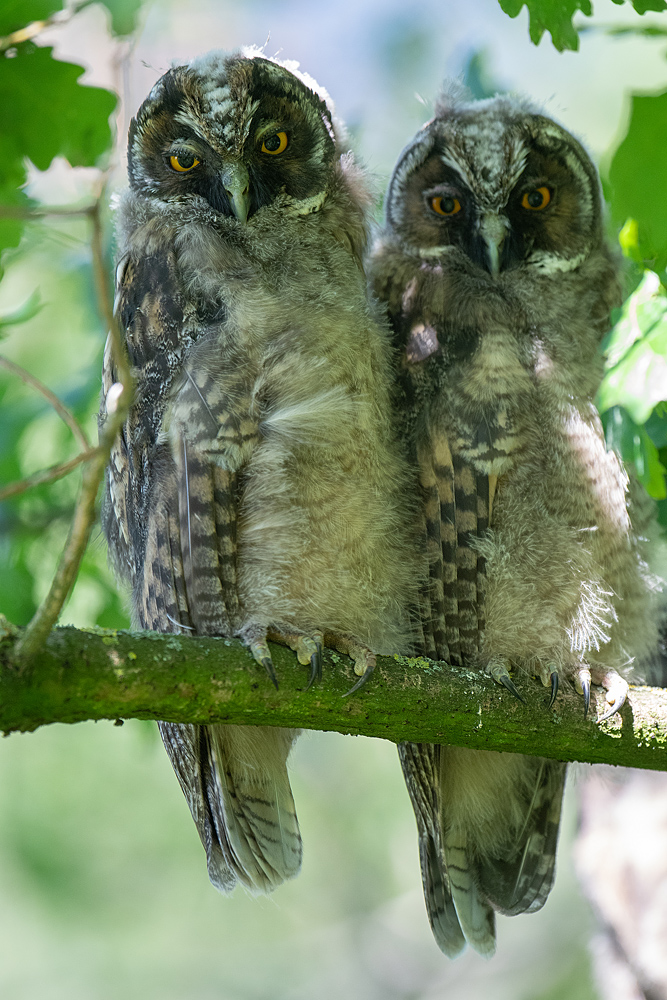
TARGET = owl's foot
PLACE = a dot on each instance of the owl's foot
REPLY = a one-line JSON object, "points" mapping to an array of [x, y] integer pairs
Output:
{"points": [[308, 648], [498, 667], [616, 687], [364, 658], [254, 636]]}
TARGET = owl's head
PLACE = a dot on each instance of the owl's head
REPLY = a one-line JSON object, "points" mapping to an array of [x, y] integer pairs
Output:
{"points": [[240, 131], [496, 184]]}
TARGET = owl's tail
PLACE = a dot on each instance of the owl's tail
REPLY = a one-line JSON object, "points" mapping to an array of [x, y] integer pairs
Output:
{"points": [[488, 829], [236, 784]]}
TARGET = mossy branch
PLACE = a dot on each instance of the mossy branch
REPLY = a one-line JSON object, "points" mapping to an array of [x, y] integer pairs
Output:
{"points": [[101, 674]]}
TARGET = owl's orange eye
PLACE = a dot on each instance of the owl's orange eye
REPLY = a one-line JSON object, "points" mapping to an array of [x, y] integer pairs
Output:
{"points": [[274, 144], [445, 205], [536, 199], [182, 162]]}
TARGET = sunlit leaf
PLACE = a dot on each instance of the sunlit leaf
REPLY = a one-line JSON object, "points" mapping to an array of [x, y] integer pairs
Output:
{"points": [[47, 113], [638, 176], [641, 311]]}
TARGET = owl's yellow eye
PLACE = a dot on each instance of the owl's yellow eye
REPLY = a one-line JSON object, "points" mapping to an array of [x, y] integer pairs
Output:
{"points": [[182, 162], [445, 205], [536, 199], [275, 144]]}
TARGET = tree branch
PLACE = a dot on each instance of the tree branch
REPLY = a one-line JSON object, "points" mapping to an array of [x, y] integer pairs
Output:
{"points": [[99, 674]]}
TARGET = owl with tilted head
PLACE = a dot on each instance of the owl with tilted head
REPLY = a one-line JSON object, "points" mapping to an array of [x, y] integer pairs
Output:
{"points": [[499, 283], [255, 489]]}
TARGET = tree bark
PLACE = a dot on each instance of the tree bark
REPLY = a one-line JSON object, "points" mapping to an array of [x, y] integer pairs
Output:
{"points": [[99, 674]]}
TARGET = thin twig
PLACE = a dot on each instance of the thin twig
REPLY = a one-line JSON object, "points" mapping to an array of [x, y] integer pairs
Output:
{"points": [[105, 305], [46, 475], [47, 613], [66, 415], [35, 28], [17, 212]]}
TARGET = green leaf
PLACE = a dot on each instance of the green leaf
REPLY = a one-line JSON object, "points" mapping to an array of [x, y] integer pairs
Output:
{"points": [[15, 14], [636, 350], [641, 311], [46, 113], [12, 197], [642, 6], [554, 16], [635, 446], [124, 15], [22, 313], [638, 176]]}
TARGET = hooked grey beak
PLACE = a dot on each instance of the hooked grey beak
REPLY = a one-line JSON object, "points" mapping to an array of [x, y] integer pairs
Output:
{"points": [[493, 230], [237, 185]]}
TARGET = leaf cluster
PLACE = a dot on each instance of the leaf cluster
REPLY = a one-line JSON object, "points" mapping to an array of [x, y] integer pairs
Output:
{"points": [[46, 111], [555, 16]]}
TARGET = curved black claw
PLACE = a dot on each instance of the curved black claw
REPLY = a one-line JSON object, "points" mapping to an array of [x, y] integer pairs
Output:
{"points": [[267, 663], [362, 680], [507, 682], [586, 691], [315, 666], [554, 687]]}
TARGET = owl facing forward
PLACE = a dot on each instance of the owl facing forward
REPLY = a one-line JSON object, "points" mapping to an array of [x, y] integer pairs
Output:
{"points": [[499, 284], [254, 490]]}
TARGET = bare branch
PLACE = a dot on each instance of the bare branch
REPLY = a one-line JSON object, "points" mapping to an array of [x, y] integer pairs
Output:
{"points": [[84, 514], [63, 412], [49, 475], [35, 28], [107, 675]]}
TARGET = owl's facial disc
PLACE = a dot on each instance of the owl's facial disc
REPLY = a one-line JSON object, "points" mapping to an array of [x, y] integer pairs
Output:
{"points": [[242, 133]]}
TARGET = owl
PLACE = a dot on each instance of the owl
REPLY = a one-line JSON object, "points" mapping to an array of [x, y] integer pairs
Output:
{"points": [[255, 489], [499, 283]]}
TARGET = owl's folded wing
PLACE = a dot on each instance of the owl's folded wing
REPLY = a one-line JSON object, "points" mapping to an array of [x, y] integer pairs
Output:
{"points": [[171, 520]]}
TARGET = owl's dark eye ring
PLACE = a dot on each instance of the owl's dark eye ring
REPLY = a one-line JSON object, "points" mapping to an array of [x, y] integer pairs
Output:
{"points": [[183, 162], [446, 205], [275, 144], [536, 199]]}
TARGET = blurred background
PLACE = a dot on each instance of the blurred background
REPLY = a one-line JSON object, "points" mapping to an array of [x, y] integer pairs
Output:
{"points": [[103, 886]]}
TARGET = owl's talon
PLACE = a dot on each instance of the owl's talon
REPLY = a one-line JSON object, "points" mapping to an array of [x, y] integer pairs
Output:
{"points": [[554, 687], [582, 683], [507, 682], [267, 663], [315, 666], [617, 691], [498, 670], [362, 680]]}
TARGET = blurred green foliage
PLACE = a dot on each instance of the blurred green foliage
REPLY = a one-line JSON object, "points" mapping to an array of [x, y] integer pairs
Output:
{"points": [[555, 16]]}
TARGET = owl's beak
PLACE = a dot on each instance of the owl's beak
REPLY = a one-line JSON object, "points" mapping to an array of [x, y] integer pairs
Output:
{"points": [[493, 229], [237, 185]]}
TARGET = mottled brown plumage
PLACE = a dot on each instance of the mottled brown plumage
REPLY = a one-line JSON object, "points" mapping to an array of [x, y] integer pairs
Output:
{"points": [[255, 490], [499, 284]]}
